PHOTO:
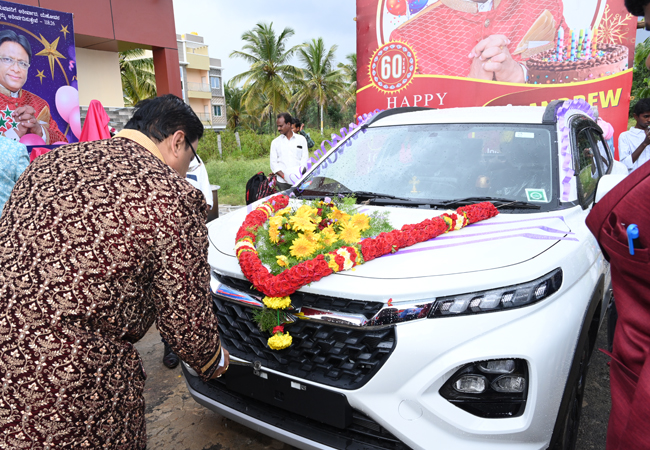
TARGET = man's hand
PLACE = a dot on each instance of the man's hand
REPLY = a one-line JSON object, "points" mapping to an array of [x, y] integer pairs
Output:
{"points": [[495, 57], [477, 71], [27, 122], [221, 370]]}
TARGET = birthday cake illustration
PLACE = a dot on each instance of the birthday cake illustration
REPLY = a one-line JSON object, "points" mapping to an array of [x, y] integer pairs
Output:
{"points": [[580, 60]]}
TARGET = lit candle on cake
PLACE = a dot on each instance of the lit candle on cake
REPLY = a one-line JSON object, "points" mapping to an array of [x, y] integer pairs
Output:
{"points": [[594, 44], [587, 46], [560, 44]]}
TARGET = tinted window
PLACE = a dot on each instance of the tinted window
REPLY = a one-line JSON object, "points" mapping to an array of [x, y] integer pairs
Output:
{"points": [[587, 171]]}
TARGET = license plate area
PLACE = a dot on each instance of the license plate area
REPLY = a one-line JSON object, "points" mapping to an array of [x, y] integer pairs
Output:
{"points": [[329, 407]]}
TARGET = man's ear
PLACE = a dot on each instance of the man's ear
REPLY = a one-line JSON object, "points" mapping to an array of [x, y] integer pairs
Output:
{"points": [[177, 143]]}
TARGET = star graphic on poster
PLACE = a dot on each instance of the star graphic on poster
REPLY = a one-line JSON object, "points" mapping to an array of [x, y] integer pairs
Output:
{"points": [[7, 112], [64, 30], [3, 122], [51, 52], [40, 75]]}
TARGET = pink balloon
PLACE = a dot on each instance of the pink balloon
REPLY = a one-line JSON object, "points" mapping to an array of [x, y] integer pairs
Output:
{"points": [[67, 98], [32, 139], [75, 121]]}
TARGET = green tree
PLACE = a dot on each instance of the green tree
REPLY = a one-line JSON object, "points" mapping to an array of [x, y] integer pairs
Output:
{"points": [[237, 114], [270, 74], [349, 71], [320, 82], [641, 74], [138, 76]]}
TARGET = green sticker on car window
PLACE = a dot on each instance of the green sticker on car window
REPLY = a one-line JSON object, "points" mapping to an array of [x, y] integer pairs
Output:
{"points": [[536, 195]]}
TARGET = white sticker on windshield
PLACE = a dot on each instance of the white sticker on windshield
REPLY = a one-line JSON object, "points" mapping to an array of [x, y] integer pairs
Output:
{"points": [[524, 134], [536, 195]]}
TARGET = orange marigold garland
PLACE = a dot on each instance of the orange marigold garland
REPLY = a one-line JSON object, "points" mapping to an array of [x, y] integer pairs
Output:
{"points": [[344, 258]]}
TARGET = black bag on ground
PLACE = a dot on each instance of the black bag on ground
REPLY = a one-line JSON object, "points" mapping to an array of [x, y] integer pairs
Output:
{"points": [[259, 186]]}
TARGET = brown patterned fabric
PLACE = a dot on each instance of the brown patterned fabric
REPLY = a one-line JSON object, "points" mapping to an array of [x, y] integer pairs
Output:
{"points": [[98, 240]]}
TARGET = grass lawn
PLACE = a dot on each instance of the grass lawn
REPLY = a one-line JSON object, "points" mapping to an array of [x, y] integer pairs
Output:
{"points": [[232, 176]]}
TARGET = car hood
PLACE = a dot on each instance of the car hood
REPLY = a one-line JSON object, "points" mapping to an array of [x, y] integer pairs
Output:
{"points": [[501, 241]]}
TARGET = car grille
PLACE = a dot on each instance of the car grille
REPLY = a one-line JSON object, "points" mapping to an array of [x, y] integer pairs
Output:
{"points": [[300, 299], [329, 354]]}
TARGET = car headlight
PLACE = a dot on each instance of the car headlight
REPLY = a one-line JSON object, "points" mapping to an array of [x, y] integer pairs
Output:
{"points": [[498, 299]]}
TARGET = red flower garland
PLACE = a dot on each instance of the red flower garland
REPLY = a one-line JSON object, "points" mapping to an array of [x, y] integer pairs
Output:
{"points": [[290, 280]]}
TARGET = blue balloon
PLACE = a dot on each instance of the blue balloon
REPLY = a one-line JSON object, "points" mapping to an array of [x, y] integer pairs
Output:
{"points": [[416, 6]]}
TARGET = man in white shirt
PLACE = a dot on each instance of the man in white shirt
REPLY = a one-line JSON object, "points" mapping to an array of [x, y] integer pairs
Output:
{"points": [[632, 144], [289, 153], [197, 176]]}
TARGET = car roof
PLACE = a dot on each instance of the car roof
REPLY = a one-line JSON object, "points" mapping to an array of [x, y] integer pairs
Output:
{"points": [[486, 114]]}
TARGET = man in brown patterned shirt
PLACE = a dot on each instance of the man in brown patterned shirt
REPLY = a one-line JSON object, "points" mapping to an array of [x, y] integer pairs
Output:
{"points": [[97, 241]]}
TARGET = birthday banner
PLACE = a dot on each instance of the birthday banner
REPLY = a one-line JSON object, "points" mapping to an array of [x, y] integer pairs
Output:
{"points": [[38, 69], [451, 53]]}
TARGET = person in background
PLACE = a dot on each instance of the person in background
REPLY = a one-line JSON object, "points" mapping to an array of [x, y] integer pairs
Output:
{"points": [[98, 241], [298, 127], [28, 112], [14, 159], [632, 144], [289, 153], [197, 176]]}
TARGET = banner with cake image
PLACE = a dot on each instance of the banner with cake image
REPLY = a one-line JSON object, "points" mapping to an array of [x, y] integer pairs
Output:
{"points": [[448, 53], [39, 98]]}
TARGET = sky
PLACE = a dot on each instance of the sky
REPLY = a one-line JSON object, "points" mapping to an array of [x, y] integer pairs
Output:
{"points": [[221, 23]]}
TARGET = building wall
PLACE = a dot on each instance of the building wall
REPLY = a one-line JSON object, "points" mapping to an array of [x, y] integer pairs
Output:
{"points": [[98, 73]]}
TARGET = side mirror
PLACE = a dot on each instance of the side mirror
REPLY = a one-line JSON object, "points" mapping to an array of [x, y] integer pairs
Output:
{"points": [[606, 183]]}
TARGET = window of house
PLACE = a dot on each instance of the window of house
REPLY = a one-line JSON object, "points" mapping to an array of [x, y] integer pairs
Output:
{"points": [[215, 83], [216, 110]]}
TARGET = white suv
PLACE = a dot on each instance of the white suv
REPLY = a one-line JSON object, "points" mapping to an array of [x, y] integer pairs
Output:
{"points": [[479, 338]]}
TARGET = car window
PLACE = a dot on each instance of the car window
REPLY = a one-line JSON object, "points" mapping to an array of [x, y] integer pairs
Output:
{"points": [[441, 162], [604, 158], [588, 171]]}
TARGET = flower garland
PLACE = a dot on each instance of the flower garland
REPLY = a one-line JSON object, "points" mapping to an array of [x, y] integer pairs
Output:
{"points": [[343, 258]]}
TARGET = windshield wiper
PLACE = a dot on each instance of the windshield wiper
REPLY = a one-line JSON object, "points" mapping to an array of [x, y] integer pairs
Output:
{"points": [[498, 202], [372, 195]]}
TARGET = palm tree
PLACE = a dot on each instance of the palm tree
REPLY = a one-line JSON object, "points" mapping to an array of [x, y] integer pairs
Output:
{"points": [[320, 82], [138, 76], [270, 74], [237, 114], [349, 71]]}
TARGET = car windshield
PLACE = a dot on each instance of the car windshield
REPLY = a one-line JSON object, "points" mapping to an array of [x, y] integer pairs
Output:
{"points": [[439, 164]]}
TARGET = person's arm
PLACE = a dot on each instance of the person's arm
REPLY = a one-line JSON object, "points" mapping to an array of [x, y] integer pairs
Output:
{"points": [[627, 150], [181, 287], [304, 156], [276, 166], [22, 160], [637, 151]]}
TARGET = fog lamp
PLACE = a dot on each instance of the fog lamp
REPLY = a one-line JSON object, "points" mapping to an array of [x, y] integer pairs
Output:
{"points": [[509, 384], [471, 384]]}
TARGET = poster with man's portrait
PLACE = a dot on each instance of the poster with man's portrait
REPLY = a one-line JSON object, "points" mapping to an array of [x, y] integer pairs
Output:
{"points": [[39, 100], [450, 53]]}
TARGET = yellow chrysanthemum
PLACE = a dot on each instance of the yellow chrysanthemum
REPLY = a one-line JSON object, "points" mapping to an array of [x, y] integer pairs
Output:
{"points": [[279, 341], [283, 211], [312, 237], [361, 221], [350, 233], [329, 236], [302, 247], [274, 235], [277, 302], [305, 211], [282, 260], [302, 223], [339, 215]]}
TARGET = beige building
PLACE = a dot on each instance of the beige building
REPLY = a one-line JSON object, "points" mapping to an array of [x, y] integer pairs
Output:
{"points": [[201, 80]]}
